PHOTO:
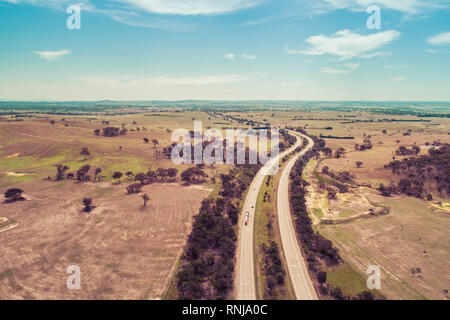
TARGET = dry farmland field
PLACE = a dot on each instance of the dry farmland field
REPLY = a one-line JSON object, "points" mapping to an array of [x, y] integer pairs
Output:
{"points": [[124, 251], [411, 237], [411, 244]]}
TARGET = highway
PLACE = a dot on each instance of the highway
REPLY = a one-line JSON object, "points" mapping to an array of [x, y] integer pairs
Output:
{"points": [[245, 267], [298, 273]]}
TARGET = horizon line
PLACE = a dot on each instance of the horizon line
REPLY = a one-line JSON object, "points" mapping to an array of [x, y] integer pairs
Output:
{"points": [[215, 100]]}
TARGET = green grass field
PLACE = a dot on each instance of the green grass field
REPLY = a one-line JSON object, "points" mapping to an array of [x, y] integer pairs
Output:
{"points": [[349, 280]]}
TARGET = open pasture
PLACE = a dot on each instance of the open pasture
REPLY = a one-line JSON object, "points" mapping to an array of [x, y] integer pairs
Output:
{"points": [[124, 251]]}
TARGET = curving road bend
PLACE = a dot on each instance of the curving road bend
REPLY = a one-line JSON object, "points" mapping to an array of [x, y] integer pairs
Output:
{"points": [[245, 269], [301, 282]]}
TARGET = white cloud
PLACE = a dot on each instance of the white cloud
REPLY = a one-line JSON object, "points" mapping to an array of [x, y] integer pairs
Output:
{"points": [[398, 78], [132, 81], [409, 7], [165, 7], [352, 66], [381, 54], [344, 69], [230, 56], [52, 55], [395, 67], [54, 4], [292, 51], [347, 44], [248, 56], [306, 9], [191, 7], [440, 39], [331, 70], [168, 14], [162, 14]]}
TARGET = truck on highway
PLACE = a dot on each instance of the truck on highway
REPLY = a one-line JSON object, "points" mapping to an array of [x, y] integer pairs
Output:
{"points": [[247, 215]]}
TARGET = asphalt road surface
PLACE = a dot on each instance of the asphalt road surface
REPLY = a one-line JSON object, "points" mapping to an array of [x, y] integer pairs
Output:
{"points": [[298, 273], [245, 271]]}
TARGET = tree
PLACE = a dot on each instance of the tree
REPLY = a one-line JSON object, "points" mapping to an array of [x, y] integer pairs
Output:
{"points": [[233, 214], [365, 295], [134, 188], [385, 191], [193, 174], [151, 176], [117, 175], [146, 140], [339, 153], [97, 172], [168, 151], [14, 194], [111, 132], [325, 170], [155, 143], [82, 173], [142, 177], [332, 194], [337, 294], [87, 202], [85, 152], [146, 198], [359, 164], [97, 132], [322, 277], [123, 132], [161, 173], [327, 152], [60, 170], [172, 173], [129, 174]]}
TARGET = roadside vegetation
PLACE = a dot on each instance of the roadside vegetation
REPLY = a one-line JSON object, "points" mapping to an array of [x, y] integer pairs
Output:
{"points": [[207, 264], [271, 273], [319, 252]]}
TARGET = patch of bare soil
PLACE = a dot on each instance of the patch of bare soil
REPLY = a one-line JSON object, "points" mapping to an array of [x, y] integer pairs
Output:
{"points": [[124, 251]]}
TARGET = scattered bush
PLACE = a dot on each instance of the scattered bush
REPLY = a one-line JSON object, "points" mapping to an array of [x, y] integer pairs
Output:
{"points": [[14, 194]]}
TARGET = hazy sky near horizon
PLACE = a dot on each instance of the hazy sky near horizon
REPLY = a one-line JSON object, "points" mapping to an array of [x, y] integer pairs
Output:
{"points": [[225, 50]]}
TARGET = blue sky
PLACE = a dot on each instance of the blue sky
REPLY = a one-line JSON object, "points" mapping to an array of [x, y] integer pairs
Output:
{"points": [[225, 50]]}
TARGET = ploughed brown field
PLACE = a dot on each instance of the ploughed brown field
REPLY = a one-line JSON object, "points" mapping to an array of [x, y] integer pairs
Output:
{"points": [[125, 251]]}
